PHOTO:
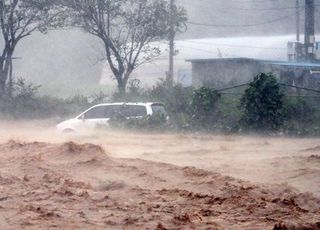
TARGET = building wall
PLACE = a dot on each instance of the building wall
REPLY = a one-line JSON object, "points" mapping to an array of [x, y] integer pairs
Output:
{"points": [[300, 77], [220, 74]]}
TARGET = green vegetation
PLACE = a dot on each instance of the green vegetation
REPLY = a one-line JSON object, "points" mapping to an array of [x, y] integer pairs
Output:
{"points": [[26, 103], [203, 107], [263, 107], [302, 116], [262, 104], [65, 91]]}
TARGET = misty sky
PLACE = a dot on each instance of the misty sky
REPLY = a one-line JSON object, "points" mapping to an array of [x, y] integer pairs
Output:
{"points": [[73, 57], [239, 17]]}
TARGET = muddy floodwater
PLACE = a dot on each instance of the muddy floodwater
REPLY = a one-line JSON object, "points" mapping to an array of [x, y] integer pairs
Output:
{"points": [[128, 180]]}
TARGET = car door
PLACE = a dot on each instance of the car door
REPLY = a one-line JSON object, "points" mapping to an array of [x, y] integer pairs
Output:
{"points": [[96, 117], [114, 111], [134, 111]]}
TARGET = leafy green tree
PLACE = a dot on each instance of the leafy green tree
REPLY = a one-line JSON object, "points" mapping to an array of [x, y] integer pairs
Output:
{"points": [[262, 104], [127, 30]]}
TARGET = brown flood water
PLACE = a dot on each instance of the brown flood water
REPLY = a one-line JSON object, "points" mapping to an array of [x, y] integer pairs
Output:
{"points": [[173, 181]]}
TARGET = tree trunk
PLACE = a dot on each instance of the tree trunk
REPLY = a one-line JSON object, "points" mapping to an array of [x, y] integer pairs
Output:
{"points": [[122, 87], [10, 83], [6, 64], [2, 84], [122, 83]]}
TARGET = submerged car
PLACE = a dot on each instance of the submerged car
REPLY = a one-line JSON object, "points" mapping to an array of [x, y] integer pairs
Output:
{"points": [[100, 115]]}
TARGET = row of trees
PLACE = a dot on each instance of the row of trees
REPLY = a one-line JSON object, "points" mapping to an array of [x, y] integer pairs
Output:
{"points": [[126, 28]]}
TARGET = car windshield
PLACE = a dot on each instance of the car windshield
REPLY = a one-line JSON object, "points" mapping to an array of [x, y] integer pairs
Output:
{"points": [[95, 113]]}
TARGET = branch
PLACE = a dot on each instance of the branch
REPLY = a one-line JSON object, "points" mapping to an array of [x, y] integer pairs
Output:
{"points": [[22, 34], [3, 28], [10, 19]]}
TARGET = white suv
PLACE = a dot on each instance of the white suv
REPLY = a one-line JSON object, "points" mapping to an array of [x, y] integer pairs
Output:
{"points": [[100, 114]]}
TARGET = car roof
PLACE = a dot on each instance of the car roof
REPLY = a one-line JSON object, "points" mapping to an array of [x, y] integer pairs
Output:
{"points": [[120, 103], [130, 103]]}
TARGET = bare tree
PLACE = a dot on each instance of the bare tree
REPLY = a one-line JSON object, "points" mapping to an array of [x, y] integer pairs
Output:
{"points": [[19, 19], [127, 29]]}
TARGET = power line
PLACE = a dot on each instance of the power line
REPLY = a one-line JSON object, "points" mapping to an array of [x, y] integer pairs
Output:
{"points": [[249, 1], [264, 9], [281, 84], [236, 46], [194, 48], [244, 25], [207, 51], [261, 9]]}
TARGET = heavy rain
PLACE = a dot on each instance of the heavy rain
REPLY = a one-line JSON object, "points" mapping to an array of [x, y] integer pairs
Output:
{"points": [[160, 114]]}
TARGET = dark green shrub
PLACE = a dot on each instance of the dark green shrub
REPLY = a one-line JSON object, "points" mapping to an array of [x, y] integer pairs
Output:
{"points": [[134, 93], [22, 100], [175, 97], [203, 106], [262, 104], [227, 115], [299, 109], [302, 116], [98, 98], [25, 103]]}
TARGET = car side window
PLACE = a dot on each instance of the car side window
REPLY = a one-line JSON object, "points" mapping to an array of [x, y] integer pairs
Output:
{"points": [[95, 113], [112, 110], [134, 111]]}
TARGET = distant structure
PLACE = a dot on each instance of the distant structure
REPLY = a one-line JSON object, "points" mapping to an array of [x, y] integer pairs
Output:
{"points": [[302, 68], [225, 72], [309, 50]]}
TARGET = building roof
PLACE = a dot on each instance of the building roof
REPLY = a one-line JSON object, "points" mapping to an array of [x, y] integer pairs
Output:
{"points": [[294, 64], [237, 59], [268, 62]]}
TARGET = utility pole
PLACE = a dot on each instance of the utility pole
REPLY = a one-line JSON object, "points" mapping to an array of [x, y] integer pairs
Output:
{"points": [[171, 43], [298, 20], [309, 38]]}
